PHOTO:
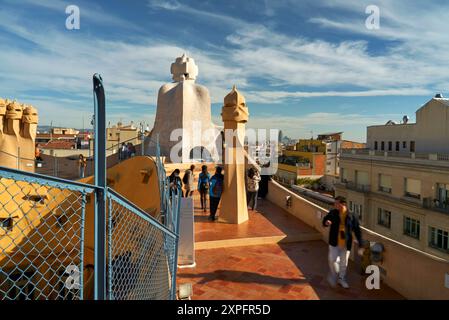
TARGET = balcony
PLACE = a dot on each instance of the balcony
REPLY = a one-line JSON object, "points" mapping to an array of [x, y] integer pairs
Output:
{"points": [[437, 159], [436, 205], [355, 186]]}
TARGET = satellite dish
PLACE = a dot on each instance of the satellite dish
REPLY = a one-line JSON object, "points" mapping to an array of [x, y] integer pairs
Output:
{"points": [[405, 119]]}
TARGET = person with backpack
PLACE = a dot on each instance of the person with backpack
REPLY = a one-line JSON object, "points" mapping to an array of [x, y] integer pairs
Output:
{"points": [[203, 186], [175, 181], [188, 181], [252, 187], [215, 191]]}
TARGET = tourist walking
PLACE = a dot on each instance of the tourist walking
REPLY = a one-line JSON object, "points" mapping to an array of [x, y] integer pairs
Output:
{"points": [[342, 225], [203, 186], [252, 187], [188, 180], [175, 181], [215, 191], [82, 164]]}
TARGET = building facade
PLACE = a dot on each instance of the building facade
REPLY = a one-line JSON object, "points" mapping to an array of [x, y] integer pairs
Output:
{"points": [[399, 185]]}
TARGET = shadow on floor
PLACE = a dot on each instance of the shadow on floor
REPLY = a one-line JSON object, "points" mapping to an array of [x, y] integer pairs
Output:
{"points": [[243, 277]]}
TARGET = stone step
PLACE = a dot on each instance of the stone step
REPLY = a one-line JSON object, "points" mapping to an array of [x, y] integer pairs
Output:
{"points": [[239, 242]]}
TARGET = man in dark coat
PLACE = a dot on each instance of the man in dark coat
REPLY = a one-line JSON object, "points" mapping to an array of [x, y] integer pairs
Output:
{"points": [[342, 225]]}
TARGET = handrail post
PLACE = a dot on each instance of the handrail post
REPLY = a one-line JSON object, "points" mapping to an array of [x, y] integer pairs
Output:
{"points": [[100, 181]]}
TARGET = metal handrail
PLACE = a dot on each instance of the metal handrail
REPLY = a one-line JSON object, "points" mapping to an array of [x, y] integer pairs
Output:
{"points": [[53, 181]]}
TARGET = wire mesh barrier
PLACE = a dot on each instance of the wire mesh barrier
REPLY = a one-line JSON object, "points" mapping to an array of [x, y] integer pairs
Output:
{"points": [[142, 254], [41, 237], [47, 241]]}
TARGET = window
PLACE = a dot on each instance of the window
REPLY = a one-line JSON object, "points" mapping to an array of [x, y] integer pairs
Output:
{"points": [[382, 145], [384, 218], [413, 188], [439, 239], [384, 183], [361, 178], [344, 175], [411, 227], [357, 209], [404, 144], [397, 145], [442, 195], [375, 145], [412, 146], [390, 145]]}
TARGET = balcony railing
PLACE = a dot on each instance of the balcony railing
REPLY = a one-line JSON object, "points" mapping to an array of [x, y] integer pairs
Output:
{"points": [[395, 154], [357, 186], [436, 205]]}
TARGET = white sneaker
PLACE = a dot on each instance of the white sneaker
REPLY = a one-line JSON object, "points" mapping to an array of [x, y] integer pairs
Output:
{"points": [[343, 283], [332, 280]]}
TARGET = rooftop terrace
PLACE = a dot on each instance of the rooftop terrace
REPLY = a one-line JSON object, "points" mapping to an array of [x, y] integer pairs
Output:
{"points": [[272, 256]]}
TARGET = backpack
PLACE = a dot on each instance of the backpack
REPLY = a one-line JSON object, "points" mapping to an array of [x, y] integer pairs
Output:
{"points": [[204, 182], [218, 186], [186, 177]]}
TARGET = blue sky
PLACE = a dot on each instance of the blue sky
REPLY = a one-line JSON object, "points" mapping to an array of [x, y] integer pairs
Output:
{"points": [[302, 65]]}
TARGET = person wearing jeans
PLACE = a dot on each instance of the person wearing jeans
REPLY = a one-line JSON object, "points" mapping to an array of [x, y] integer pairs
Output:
{"points": [[252, 187], [203, 186], [342, 225]]}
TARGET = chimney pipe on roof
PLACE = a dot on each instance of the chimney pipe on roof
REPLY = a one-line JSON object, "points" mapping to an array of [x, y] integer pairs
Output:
{"points": [[439, 95]]}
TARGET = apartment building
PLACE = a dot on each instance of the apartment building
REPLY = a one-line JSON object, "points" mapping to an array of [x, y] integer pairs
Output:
{"points": [[334, 144], [399, 184]]}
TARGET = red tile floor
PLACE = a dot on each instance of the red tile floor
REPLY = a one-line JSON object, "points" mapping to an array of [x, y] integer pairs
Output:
{"points": [[294, 270]]}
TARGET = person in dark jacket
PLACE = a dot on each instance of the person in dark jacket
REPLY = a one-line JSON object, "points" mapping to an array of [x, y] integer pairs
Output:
{"points": [[342, 225], [175, 181], [263, 184], [215, 191]]}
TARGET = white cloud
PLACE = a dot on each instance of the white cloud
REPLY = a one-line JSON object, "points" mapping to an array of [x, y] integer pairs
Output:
{"points": [[134, 71]]}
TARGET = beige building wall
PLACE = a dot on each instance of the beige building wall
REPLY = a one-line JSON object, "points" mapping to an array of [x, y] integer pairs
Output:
{"points": [[430, 132], [396, 201], [413, 273], [116, 135]]}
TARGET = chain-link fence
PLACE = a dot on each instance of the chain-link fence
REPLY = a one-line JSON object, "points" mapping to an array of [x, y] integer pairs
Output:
{"points": [[142, 254], [47, 241], [41, 237]]}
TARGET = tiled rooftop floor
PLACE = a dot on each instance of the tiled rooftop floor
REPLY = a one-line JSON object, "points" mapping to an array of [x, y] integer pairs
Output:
{"points": [[268, 220], [271, 271]]}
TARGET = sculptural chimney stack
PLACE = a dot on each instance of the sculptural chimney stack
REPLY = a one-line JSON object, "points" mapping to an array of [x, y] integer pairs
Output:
{"points": [[233, 202]]}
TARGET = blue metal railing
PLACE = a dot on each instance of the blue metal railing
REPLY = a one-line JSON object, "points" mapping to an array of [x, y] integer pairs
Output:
{"points": [[141, 253], [53, 232], [42, 236]]}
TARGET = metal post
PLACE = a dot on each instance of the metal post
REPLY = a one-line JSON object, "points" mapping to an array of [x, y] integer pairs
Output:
{"points": [[100, 181]]}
